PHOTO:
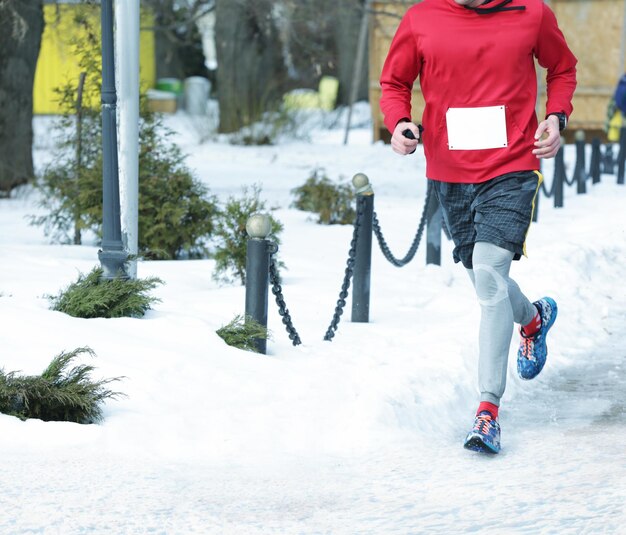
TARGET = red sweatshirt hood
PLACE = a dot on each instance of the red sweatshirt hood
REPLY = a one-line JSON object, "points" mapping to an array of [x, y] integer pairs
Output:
{"points": [[491, 6]]}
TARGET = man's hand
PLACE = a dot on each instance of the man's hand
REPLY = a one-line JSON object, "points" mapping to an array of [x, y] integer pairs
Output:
{"points": [[404, 145], [548, 138]]}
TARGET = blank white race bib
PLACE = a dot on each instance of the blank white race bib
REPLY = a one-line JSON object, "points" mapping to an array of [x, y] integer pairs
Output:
{"points": [[476, 128]]}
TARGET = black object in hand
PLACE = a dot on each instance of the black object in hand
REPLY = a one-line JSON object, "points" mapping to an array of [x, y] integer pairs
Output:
{"points": [[408, 133]]}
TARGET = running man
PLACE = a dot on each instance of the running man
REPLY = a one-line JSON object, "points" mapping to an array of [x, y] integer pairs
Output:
{"points": [[482, 142]]}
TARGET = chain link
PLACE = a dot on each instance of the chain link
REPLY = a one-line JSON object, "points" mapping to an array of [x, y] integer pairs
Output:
{"points": [[343, 294], [416, 241], [568, 181], [559, 171], [280, 300], [574, 177]]}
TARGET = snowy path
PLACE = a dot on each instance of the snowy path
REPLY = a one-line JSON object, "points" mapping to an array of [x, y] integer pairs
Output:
{"points": [[562, 470], [361, 436]]}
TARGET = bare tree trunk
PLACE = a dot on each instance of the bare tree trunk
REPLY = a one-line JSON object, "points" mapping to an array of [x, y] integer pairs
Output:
{"points": [[349, 15], [21, 28], [359, 62], [251, 72]]}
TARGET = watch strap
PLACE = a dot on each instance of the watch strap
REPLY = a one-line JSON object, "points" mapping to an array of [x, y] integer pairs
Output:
{"points": [[562, 119]]}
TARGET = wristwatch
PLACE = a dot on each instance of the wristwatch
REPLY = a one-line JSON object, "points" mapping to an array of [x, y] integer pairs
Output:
{"points": [[562, 119]]}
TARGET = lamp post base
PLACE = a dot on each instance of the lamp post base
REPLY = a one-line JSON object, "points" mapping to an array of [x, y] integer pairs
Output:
{"points": [[113, 264]]}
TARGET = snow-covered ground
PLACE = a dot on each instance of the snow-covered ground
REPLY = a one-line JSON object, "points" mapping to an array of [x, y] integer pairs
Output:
{"points": [[359, 435]]}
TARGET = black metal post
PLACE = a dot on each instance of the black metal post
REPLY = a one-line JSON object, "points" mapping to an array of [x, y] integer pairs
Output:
{"points": [[257, 273], [580, 174], [559, 177], [434, 223], [112, 256], [363, 258], [594, 165], [608, 160], [621, 156]]}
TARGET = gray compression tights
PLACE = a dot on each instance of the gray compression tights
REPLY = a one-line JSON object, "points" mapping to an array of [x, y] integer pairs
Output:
{"points": [[501, 304]]}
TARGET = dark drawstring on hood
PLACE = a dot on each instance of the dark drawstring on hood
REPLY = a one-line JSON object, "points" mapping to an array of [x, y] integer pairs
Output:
{"points": [[497, 8]]}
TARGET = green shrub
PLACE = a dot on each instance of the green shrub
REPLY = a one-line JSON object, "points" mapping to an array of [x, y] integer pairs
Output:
{"points": [[92, 297], [334, 203], [58, 394], [242, 334], [232, 238], [176, 212]]}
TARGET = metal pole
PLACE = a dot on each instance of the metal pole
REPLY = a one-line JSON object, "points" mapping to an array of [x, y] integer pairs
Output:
{"points": [[112, 255], [127, 47], [559, 177], [621, 156], [579, 170], [434, 223], [608, 160], [358, 65], [79, 150], [258, 272], [596, 155], [363, 258]]}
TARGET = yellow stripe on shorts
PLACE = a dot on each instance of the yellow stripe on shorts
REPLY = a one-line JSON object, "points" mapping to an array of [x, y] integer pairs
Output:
{"points": [[532, 212]]}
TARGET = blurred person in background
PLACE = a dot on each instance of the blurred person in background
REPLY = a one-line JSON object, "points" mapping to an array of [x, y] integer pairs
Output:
{"points": [[616, 112]]}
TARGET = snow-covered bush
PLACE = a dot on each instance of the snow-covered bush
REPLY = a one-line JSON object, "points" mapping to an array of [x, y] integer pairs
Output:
{"points": [[243, 334], [232, 237], [58, 394], [332, 202], [92, 297], [176, 211], [274, 127]]}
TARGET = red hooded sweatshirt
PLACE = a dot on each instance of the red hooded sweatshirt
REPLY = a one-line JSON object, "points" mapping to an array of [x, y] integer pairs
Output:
{"points": [[477, 58]]}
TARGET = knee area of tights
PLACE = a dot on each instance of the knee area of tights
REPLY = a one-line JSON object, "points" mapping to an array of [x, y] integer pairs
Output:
{"points": [[489, 285]]}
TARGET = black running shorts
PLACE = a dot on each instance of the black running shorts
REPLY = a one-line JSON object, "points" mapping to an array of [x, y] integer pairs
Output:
{"points": [[498, 211]]}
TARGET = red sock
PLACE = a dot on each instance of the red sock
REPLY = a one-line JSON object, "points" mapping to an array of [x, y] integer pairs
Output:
{"points": [[486, 406], [534, 325]]}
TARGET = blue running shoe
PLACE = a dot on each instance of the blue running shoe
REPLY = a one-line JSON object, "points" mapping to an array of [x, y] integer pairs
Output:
{"points": [[485, 435], [533, 351]]}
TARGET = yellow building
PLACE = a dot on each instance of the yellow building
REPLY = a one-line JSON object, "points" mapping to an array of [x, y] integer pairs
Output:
{"points": [[58, 57]]}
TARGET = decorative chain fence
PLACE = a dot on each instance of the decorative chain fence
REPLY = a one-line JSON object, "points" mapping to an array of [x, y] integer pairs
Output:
{"points": [[345, 285], [601, 162], [277, 290], [416, 241], [261, 266], [261, 260]]}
